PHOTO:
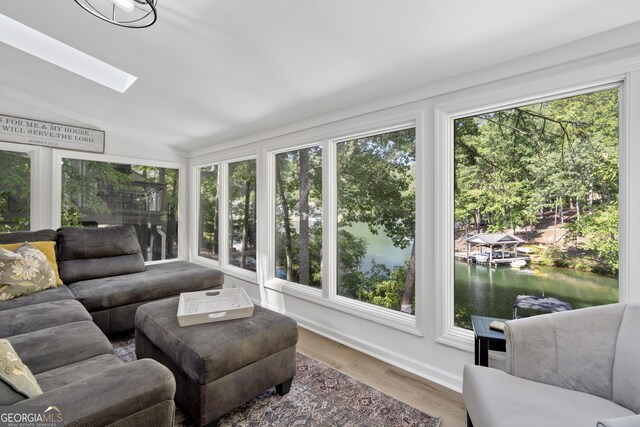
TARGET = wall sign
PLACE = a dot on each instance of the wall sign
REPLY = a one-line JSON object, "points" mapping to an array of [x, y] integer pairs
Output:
{"points": [[47, 134]]}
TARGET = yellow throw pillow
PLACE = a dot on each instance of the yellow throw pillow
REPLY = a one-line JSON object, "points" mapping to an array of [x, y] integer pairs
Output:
{"points": [[47, 248], [24, 272], [15, 373]]}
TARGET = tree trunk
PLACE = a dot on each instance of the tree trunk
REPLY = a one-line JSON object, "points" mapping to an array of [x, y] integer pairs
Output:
{"points": [[410, 284], [555, 223], [287, 221], [245, 224], [304, 217], [577, 209], [172, 223], [561, 211], [216, 229]]}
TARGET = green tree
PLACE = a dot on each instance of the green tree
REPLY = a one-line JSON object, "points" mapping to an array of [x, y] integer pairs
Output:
{"points": [[14, 191], [376, 186], [512, 166]]}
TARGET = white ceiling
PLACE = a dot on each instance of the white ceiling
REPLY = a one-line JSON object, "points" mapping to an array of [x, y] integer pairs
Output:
{"points": [[214, 70]]}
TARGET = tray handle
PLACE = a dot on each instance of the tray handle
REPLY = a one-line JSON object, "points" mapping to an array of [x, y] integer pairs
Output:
{"points": [[216, 315]]}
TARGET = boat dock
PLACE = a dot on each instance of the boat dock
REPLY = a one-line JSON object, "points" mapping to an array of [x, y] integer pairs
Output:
{"points": [[471, 257]]}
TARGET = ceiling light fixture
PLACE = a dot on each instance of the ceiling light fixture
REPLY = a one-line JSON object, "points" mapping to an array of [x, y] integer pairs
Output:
{"points": [[126, 13]]}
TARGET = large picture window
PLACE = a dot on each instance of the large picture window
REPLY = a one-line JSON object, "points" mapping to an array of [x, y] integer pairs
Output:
{"points": [[242, 214], [208, 231], [299, 216], [376, 219], [536, 206], [15, 190], [98, 193]]}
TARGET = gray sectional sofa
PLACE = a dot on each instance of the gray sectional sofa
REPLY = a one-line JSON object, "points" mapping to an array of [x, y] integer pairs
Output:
{"points": [[59, 333], [572, 369]]}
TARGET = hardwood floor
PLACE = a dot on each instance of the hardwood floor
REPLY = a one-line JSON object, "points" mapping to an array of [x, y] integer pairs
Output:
{"points": [[411, 389]]}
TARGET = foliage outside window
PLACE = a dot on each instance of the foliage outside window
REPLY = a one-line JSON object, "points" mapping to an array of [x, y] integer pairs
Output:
{"points": [[15, 190], [299, 216], [376, 219], [100, 193], [546, 173], [208, 225], [242, 214]]}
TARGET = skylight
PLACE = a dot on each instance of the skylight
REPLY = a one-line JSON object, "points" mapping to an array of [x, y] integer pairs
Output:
{"points": [[51, 50]]}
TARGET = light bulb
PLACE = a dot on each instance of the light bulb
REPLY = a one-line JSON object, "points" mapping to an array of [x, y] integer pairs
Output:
{"points": [[126, 5]]}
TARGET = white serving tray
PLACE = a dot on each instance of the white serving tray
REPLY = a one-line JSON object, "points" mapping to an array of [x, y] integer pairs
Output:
{"points": [[216, 305]]}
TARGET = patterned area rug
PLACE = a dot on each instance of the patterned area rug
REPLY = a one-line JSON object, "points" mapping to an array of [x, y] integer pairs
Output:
{"points": [[319, 396]]}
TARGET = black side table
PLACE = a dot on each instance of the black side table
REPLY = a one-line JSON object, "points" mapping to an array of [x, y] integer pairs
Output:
{"points": [[486, 339]]}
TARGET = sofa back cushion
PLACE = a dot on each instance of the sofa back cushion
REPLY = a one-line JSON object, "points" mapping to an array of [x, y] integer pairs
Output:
{"points": [[626, 366], [92, 253], [28, 236]]}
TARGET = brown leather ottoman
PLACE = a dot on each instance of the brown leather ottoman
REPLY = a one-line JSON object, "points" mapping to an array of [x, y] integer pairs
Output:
{"points": [[218, 366]]}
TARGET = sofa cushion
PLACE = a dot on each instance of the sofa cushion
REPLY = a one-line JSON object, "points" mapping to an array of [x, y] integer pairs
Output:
{"points": [[90, 253], [54, 294], [157, 281], [61, 345], [34, 317], [496, 399], [24, 271], [14, 373], [78, 371], [28, 236]]}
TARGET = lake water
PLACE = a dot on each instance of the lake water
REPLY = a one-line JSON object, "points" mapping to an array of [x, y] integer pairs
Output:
{"points": [[487, 291], [379, 248]]}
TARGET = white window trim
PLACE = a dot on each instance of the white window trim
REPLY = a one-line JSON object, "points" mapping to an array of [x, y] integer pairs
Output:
{"points": [[223, 199], [195, 215], [56, 167], [327, 296], [444, 116]]}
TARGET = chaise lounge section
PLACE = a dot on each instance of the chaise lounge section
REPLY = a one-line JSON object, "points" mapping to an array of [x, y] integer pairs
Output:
{"points": [[105, 271]]}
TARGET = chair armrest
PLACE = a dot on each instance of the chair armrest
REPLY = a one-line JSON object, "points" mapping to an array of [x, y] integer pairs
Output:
{"points": [[630, 421], [531, 349], [111, 395]]}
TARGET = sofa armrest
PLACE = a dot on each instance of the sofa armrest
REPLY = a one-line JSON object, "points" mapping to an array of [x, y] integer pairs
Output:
{"points": [[630, 421], [114, 394]]}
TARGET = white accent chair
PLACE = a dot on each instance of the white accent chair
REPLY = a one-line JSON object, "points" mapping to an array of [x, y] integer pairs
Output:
{"points": [[577, 368]]}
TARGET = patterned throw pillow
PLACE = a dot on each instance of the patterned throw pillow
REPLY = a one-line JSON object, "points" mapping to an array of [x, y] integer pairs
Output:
{"points": [[16, 374], [24, 271], [47, 248]]}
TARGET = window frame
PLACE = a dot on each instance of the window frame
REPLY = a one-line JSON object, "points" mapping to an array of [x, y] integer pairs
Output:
{"points": [[223, 214], [59, 155], [381, 122], [37, 205], [444, 115], [197, 183]]}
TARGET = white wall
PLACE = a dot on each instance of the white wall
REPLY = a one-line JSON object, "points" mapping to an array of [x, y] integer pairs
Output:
{"points": [[44, 189], [592, 62]]}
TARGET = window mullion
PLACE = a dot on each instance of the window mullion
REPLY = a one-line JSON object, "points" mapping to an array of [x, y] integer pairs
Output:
{"points": [[223, 221], [330, 220]]}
